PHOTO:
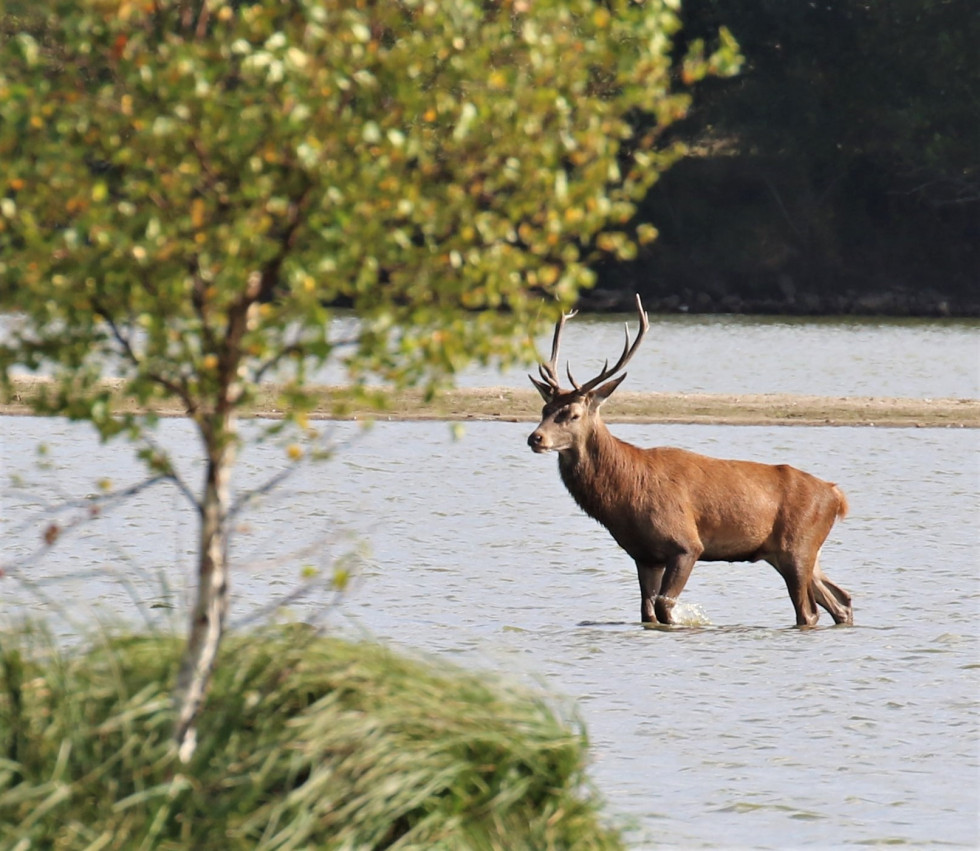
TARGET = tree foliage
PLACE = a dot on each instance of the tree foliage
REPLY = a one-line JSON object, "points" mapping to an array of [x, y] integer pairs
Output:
{"points": [[188, 186], [175, 181]]}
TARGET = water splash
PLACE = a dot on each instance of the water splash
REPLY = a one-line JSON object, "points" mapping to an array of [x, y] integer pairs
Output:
{"points": [[690, 614]]}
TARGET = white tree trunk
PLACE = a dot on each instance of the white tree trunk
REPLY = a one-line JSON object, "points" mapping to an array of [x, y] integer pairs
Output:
{"points": [[211, 606]]}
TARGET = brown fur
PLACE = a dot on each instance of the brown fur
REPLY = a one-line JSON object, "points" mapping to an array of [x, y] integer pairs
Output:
{"points": [[669, 508]]}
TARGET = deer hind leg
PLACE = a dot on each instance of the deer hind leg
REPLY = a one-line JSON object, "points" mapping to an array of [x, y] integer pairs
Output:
{"points": [[651, 576], [832, 597], [676, 573], [798, 575]]}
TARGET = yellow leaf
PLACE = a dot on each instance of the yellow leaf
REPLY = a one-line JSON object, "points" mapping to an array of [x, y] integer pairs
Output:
{"points": [[646, 233], [197, 212], [340, 578], [549, 274]]}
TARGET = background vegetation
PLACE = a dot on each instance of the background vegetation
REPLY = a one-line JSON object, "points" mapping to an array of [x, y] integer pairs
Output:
{"points": [[839, 172]]}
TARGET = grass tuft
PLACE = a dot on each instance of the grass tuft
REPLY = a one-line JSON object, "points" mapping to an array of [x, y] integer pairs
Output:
{"points": [[306, 742]]}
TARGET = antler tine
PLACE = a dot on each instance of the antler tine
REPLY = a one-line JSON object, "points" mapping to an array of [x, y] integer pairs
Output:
{"points": [[556, 340], [549, 370], [628, 351], [575, 384], [546, 371]]}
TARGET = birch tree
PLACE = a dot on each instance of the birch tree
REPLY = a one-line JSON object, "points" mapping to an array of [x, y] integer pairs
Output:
{"points": [[188, 188]]}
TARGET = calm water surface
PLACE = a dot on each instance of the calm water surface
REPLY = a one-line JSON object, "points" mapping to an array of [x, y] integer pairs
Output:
{"points": [[738, 731], [832, 356], [749, 354]]}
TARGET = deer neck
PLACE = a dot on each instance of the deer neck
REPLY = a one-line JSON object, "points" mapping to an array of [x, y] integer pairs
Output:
{"points": [[591, 471]]}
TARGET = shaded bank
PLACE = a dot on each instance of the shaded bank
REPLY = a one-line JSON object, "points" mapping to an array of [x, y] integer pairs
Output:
{"points": [[518, 405], [668, 287]]}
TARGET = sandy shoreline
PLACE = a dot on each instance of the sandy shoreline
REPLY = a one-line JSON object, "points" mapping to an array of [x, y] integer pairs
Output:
{"points": [[506, 404]]}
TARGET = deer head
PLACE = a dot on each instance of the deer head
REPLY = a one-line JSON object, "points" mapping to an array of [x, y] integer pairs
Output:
{"points": [[569, 416]]}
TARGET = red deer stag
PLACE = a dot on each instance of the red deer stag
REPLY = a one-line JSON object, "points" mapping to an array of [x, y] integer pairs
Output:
{"points": [[668, 508]]}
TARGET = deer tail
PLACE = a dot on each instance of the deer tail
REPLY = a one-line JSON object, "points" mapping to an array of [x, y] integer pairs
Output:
{"points": [[842, 505]]}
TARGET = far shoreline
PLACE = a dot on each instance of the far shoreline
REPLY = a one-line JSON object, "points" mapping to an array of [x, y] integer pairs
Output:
{"points": [[505, 404]]}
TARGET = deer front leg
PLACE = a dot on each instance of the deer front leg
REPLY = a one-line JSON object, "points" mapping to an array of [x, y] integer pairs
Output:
{"points": [[650, 575], [678, 570]]}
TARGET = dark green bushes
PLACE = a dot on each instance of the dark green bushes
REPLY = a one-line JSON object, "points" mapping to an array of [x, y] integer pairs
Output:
{"points": [[837, 173]]}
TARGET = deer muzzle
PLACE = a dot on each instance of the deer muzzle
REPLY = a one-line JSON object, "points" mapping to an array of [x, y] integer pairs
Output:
{"points": [[538, 441]]}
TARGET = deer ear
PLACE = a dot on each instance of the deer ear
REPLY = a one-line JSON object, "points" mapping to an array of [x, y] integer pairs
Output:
{"points": [[546, 392], [600, 394]]}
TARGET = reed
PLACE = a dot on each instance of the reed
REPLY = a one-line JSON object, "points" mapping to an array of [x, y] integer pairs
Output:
{"points": [[306, 742]]}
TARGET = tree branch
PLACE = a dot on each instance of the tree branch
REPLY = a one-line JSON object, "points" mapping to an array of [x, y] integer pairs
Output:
{"points": [[271, 484], [172, 474], [177, 389], [199, 302], [90, 507]]}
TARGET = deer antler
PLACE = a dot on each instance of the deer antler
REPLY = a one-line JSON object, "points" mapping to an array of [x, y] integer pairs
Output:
{"points": [[549, 370], [624, 358]]}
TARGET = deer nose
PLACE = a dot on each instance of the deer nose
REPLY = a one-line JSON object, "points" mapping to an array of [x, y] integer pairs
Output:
{"points": [[536, 440]]}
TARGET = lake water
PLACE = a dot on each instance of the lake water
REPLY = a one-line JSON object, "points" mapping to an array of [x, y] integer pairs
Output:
{"points": [[739, 731], [831, 356]]}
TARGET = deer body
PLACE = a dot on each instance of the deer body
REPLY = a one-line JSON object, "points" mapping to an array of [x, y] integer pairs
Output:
{"points": [[669, 508]]}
